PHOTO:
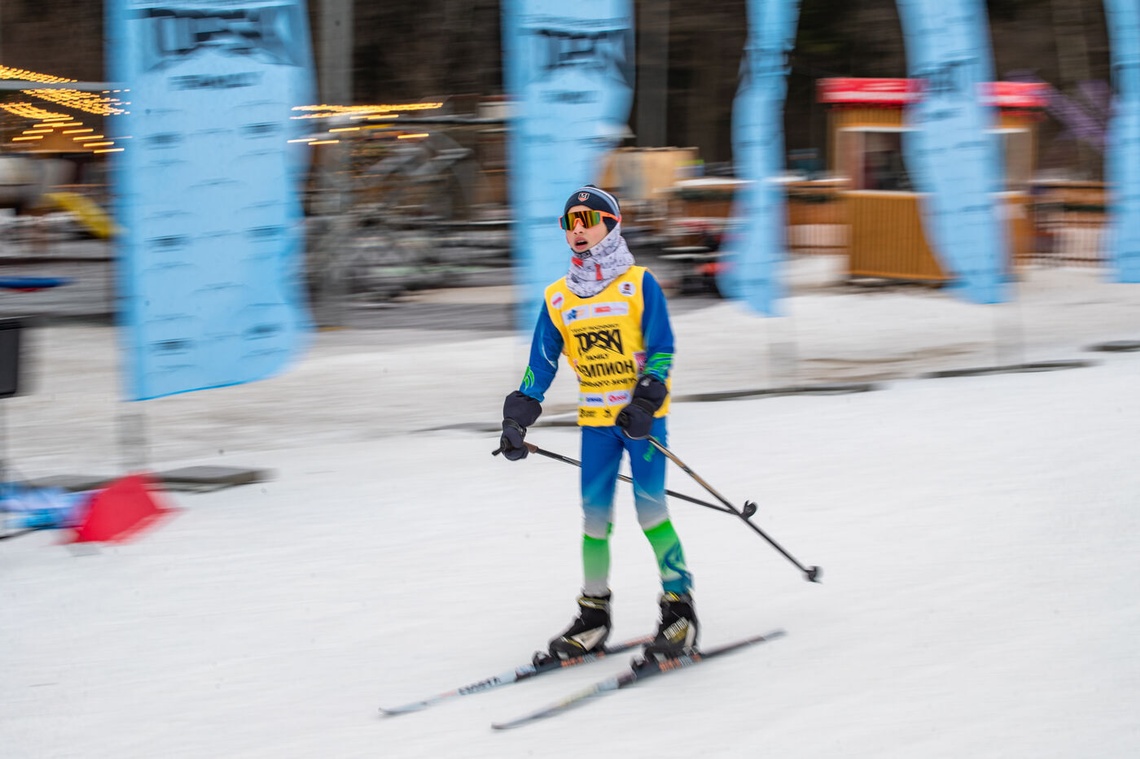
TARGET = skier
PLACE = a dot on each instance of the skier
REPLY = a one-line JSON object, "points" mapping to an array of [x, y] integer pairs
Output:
{"points": [[610, 318]]}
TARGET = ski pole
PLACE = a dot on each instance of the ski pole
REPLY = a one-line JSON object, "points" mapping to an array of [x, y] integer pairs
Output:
{"points": [[810, 573], [623, 477]]}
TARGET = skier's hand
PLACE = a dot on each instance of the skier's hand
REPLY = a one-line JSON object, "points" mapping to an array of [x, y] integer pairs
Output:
{"points": [[511, 443], [519, 412], [636, 419]]}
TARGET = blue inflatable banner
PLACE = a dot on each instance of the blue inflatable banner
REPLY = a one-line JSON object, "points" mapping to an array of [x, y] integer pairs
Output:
{"points": [[757, 234], [207, 189], [569, 70], [953, 159], [1122, 158]]}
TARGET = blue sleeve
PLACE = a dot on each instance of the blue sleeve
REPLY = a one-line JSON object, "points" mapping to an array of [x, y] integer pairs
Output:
{"points": [[656, 327], [545, 348]]}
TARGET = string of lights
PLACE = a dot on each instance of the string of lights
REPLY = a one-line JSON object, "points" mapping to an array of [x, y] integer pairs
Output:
{"points": [[385, 113], [60, 128], [54, 126]]}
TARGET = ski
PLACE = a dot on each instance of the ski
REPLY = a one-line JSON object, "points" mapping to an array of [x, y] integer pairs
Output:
{"points": [[640, 669], [540, 664]]}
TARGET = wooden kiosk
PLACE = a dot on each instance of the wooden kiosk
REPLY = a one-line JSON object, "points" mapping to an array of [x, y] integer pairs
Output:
{"points": [[866, 121]]}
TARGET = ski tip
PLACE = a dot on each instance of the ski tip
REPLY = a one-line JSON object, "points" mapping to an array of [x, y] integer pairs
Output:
{"points": [[526, 719], [392, 711]]}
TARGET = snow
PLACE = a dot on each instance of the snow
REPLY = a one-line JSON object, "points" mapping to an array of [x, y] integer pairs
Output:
{"points": [[979, 593]]}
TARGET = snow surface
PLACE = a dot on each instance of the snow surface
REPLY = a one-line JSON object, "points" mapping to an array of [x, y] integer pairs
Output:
{"points": [[977, 536]]}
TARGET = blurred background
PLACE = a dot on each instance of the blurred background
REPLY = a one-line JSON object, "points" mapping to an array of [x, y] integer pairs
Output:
{"points": [[407, 188]]}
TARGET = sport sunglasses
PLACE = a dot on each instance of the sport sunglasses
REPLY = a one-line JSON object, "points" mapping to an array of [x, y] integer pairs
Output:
{"points": [[588, 219]]}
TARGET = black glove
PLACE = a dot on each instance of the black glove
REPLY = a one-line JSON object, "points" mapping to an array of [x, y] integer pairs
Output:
{"points": [[511, 443], [519, 412], [636, 419]]}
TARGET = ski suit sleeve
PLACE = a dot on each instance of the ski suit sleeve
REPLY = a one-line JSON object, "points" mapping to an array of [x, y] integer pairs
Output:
{"points": [[545, 348], [657, 329]]}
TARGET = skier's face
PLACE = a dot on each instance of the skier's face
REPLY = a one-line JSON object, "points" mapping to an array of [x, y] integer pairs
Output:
{"points": [[581, 238]]}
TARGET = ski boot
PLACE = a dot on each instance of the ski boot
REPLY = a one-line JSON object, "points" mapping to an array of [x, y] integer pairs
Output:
{"points": [[678, 631], [587, 633]]}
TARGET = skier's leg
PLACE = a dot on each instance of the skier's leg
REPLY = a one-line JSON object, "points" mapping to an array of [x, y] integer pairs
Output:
{"points": [[678, 629], [601, 457], [648, 469]]}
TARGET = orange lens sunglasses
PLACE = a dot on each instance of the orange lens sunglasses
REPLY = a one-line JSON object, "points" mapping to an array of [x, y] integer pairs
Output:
{"points": [[588, 219]]}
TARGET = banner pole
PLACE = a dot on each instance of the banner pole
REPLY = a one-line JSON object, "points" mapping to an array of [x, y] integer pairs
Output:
{"points": [[133, 440]]}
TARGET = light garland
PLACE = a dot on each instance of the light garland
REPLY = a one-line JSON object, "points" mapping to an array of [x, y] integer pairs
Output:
{"points": [[29, 111], [108, 103], [105, 104], [361, 111], [88, 102]]}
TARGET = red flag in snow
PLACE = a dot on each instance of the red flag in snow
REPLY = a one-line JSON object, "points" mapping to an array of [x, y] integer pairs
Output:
{"points": [[120, 511]]}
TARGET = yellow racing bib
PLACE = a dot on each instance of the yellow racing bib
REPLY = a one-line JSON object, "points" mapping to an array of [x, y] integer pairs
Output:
{"points": [[602, 339]]}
